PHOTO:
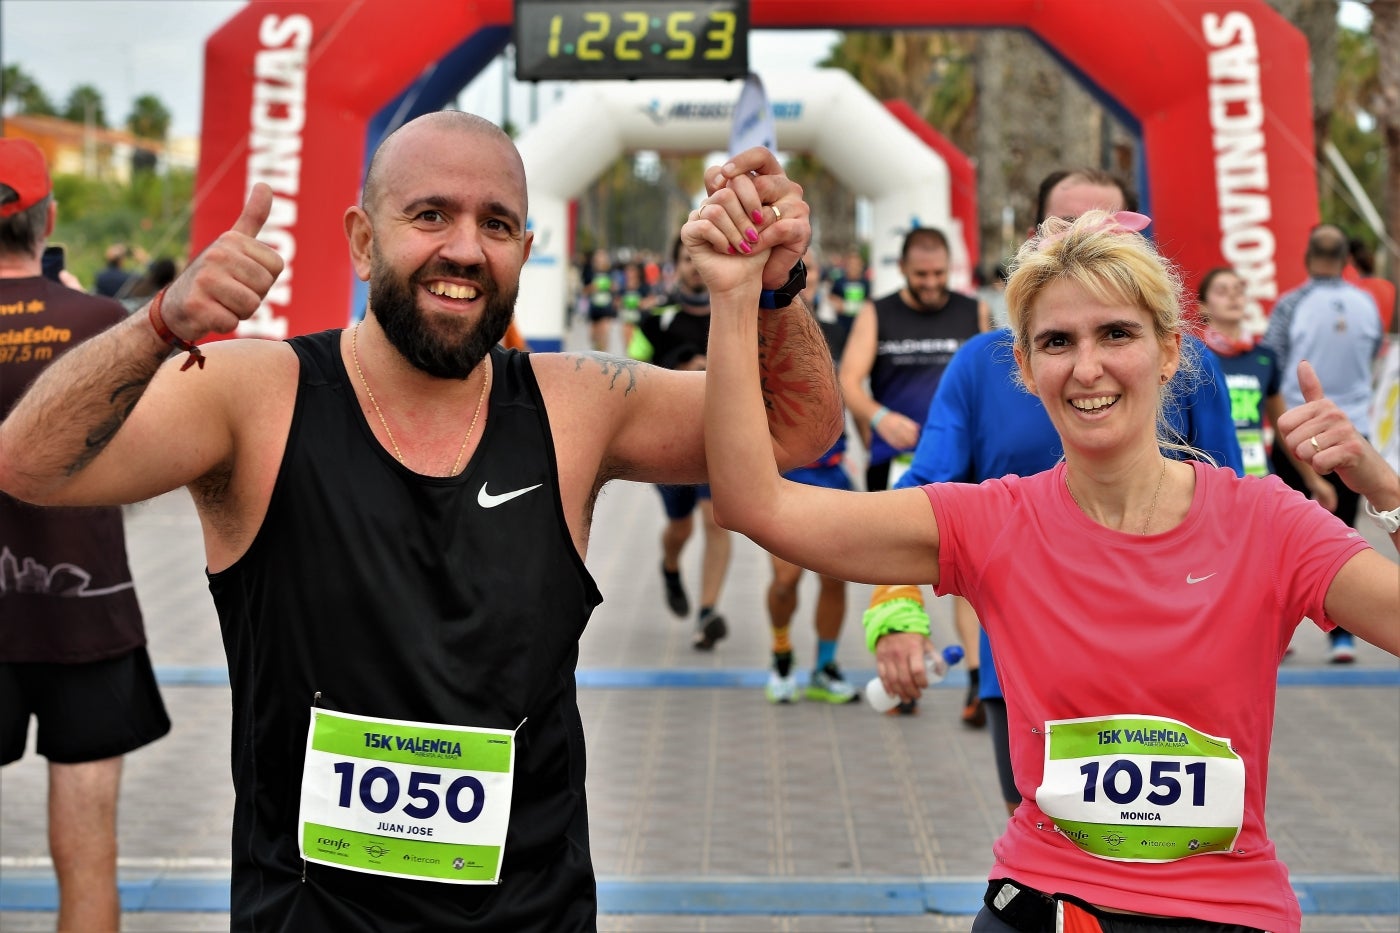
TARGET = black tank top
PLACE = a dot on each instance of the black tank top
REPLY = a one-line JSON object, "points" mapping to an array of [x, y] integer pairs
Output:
{"points": [[399, 596], [912, 350]]}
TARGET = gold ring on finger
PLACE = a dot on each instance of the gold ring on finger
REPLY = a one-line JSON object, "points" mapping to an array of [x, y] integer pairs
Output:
{"points": [[777, 214], [1316, 446]]}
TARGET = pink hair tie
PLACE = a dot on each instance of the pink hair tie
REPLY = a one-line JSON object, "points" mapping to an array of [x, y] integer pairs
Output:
{"points": [[1126, 222], [1120, 222]]}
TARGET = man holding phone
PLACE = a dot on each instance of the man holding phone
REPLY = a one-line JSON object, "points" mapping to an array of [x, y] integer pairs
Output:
{"points": [[53, 267], [72, 642]]}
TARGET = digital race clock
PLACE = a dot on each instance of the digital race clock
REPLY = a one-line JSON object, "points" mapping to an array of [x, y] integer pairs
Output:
{"points": [[575, 39]]}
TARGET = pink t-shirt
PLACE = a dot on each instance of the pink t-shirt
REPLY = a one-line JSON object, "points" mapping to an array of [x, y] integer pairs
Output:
{"points": [[1189, 625]]}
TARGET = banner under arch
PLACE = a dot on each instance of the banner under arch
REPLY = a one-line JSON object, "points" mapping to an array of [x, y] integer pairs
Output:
{"points": [[825, 112], [297, 93]]}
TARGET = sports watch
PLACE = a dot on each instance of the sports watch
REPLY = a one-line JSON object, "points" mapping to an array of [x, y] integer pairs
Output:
{"points": [[782, 296], [1389, 521]]}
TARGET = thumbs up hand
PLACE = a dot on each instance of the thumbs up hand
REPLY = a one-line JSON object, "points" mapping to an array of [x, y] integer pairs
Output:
{"points": [[1320, 434], [227, 282]]}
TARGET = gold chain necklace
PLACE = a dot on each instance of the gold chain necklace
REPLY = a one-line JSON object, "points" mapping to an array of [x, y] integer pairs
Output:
{"points": [[485, 382], [1151, 509]]}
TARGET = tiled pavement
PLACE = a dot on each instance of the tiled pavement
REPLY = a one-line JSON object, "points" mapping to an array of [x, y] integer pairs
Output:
{"points": [[706, 802]]}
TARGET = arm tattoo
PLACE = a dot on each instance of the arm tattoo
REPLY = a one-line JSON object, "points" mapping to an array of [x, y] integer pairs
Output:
{"points": [[790, 350], [121, 403], [614, 366]]}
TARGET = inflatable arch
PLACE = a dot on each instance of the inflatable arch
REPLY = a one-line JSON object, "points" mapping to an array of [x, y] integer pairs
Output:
{"points": [[297, 94], [824, 112]]}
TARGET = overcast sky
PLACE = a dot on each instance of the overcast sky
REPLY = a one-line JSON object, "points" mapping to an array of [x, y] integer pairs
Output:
{"points": [[132, 47], [127, 48]]}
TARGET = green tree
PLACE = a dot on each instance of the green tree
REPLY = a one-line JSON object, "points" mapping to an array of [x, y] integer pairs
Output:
{"points": [[1353, 129], [149, 118], [1385, 27], [931, 71], [20, 91], [151, 212], [85, 105]]}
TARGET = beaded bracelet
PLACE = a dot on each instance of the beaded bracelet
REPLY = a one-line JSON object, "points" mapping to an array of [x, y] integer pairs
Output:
{"points": [[166, 334]]}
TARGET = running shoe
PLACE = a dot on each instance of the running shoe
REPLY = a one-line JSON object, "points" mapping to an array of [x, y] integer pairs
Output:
{"points": [[675, 592], [910, 708], [709, 629], [1343, 649], [828, 686], [781, 689], [974, 715]]}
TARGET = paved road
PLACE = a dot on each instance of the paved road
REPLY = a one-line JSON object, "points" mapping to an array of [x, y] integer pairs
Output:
{"points": [[711, 809]]}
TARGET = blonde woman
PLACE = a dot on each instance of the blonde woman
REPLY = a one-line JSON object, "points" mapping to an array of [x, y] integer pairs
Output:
{"points": [[1138, 644]]}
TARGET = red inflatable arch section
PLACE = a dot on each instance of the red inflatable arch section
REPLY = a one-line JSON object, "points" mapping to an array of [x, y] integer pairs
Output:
{"points": [[1220, 91], [962, 175]]}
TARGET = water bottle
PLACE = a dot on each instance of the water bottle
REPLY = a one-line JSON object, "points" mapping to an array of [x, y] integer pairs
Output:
{"points": [[935, 666]]}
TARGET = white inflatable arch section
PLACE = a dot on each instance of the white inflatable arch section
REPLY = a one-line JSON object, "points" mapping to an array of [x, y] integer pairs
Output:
{"points": [[823, 112]]}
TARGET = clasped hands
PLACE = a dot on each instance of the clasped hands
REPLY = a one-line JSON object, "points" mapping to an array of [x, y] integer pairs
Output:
{"points": [[753, 211]]}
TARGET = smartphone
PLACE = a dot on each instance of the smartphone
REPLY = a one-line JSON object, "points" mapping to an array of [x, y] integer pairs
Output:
{"points": [[53, 261]]}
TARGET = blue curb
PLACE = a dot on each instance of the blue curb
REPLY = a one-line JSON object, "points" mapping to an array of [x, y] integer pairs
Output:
{"points": [[173, 892], [649, 678], [897, 897]]}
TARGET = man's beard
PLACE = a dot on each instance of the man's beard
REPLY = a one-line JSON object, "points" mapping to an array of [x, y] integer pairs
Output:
{"points": [[451, 355], [940, 298]]}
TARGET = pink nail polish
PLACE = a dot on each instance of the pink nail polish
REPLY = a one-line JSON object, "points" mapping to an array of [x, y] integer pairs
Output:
{"points": [[746, 248], [757, 216], [750, 235], [732, 251]]}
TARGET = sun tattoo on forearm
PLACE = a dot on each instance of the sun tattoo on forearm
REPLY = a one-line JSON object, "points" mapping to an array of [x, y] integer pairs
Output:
{"points": [[782, 374]]}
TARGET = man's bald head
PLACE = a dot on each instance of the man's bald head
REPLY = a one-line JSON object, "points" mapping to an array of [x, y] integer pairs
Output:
{"points": [[1327, 250], [1070, 192], [393, 147]]}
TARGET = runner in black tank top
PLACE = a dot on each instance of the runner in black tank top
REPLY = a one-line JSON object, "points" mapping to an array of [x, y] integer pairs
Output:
{"points": [[407, 605], [402, 645]]}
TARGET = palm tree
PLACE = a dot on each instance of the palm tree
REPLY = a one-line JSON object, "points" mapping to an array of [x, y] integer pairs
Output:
{"points": [[20, 94], [85, 106], [1385, 29], [149, 118], [930, 71]]}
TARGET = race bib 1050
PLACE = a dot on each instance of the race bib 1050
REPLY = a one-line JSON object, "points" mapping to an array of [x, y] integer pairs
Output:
{"points": [[412, 799]]}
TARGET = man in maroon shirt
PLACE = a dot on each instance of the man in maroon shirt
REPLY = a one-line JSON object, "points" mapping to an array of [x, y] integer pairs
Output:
{"points": [[72, 645]]}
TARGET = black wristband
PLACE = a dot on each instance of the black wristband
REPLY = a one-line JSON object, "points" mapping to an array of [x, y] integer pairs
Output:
{"points": [[781, 297]]}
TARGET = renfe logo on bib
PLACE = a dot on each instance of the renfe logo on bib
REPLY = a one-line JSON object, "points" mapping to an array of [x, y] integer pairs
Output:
{"points": [[1141, 788], [417, 800]]}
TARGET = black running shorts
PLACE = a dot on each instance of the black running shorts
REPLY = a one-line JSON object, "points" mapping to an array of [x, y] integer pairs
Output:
{"points": [[86, 712]]}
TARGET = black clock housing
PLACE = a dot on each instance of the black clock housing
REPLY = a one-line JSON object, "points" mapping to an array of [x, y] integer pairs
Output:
{"points": [[565, 40]]}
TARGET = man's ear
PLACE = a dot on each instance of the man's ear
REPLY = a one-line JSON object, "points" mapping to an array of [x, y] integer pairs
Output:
{"points": [[361, 237], [51, 220]]}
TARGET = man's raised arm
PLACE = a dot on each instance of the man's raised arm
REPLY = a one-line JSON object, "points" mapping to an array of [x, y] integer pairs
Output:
{"points": [[796, 373], [87, 402], [753, 207]]}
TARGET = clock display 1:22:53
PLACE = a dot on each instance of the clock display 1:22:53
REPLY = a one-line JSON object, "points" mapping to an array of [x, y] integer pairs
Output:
{"points": [[566, 39]]}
